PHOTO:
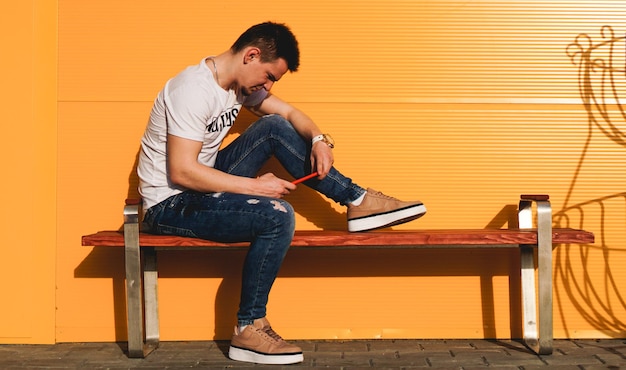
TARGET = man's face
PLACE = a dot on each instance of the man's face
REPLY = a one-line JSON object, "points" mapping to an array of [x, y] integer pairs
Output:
{"points": [[259, 75]]}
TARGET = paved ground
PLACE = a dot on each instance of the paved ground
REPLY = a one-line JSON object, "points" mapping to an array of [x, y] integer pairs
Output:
{"points": [[378, 354]]}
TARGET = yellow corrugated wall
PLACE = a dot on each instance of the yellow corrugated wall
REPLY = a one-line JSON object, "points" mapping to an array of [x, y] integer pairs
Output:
{"points": [[462, 104], [28, 102]]}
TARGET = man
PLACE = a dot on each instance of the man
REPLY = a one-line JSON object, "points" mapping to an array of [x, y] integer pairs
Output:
{"points": [[192, 188]]}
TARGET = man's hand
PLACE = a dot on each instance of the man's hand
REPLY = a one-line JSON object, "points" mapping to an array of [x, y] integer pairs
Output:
{"points": [[269, 185], [322, 159]]}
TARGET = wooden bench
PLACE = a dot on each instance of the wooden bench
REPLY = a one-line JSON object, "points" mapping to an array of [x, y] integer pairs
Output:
{"points": [[141, 263]]}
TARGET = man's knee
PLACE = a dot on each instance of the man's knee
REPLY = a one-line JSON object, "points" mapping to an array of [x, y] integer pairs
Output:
{"points": [[284, 214], [275, 120]]}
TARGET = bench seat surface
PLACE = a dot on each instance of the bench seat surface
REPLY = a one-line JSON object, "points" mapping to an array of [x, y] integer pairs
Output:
{"points": [[330, 238]]}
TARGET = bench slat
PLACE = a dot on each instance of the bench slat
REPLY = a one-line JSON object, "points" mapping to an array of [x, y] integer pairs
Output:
{"points": [[326, 238]]}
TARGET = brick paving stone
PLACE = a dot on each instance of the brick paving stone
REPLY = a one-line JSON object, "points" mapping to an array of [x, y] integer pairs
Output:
{"points": [[601, 343], [386, 359], [555, 367], [343, 359], [475, 356], [394, 345], [487, 343], [343, 346], [322, 358], [444, 345], [499, 367], [471, 351], [306, 345], [566, 345], [589, 354], [441, 359], [576, 358], [612, 359], [509, 345], [413, 360], [395, 360], [499, 359]]}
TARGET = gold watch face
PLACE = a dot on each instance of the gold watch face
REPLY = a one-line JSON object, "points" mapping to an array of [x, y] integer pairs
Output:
{"points": [[329, 140]]}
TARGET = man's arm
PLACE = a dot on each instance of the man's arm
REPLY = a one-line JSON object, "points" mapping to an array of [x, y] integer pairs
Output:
{"points": [[321, 154], [186, 171]]}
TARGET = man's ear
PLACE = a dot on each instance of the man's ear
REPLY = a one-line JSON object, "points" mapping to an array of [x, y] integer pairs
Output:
{"points": [[251, 54]]}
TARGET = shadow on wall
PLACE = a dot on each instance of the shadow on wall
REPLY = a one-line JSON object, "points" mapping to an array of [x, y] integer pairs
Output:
{"points": [[597, 298]]}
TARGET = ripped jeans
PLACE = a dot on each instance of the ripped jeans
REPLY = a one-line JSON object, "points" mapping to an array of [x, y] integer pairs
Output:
{"points": [[267, 223]]}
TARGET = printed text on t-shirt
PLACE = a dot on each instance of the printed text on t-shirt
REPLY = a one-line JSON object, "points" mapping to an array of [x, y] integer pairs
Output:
{"points": [[226, 119]]}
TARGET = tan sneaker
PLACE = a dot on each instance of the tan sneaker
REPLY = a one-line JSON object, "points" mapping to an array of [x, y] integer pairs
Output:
{"points": [[378, 210], [260, 344]]}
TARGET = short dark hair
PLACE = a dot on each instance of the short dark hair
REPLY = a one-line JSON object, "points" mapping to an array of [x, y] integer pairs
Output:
{"points": [[275, 40]]}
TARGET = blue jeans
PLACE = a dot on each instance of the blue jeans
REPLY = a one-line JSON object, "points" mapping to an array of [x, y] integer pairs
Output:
{"points": [[267, 223]]}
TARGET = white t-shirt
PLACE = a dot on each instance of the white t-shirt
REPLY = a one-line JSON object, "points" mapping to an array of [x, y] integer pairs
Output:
{"points": [[192, 106]]}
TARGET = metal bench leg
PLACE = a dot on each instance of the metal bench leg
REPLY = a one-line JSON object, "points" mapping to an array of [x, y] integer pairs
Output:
{"points": [[529, 301], [544, 256], [134, 308], [150, 295], [134, 304], [539, 340]]}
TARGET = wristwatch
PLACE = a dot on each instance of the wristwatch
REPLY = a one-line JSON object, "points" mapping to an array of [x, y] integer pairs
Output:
{"points": [[326, 138]]}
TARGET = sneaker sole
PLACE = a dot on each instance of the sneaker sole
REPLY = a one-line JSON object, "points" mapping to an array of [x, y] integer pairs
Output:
{"points": [[245, 355], [378, 221]]}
